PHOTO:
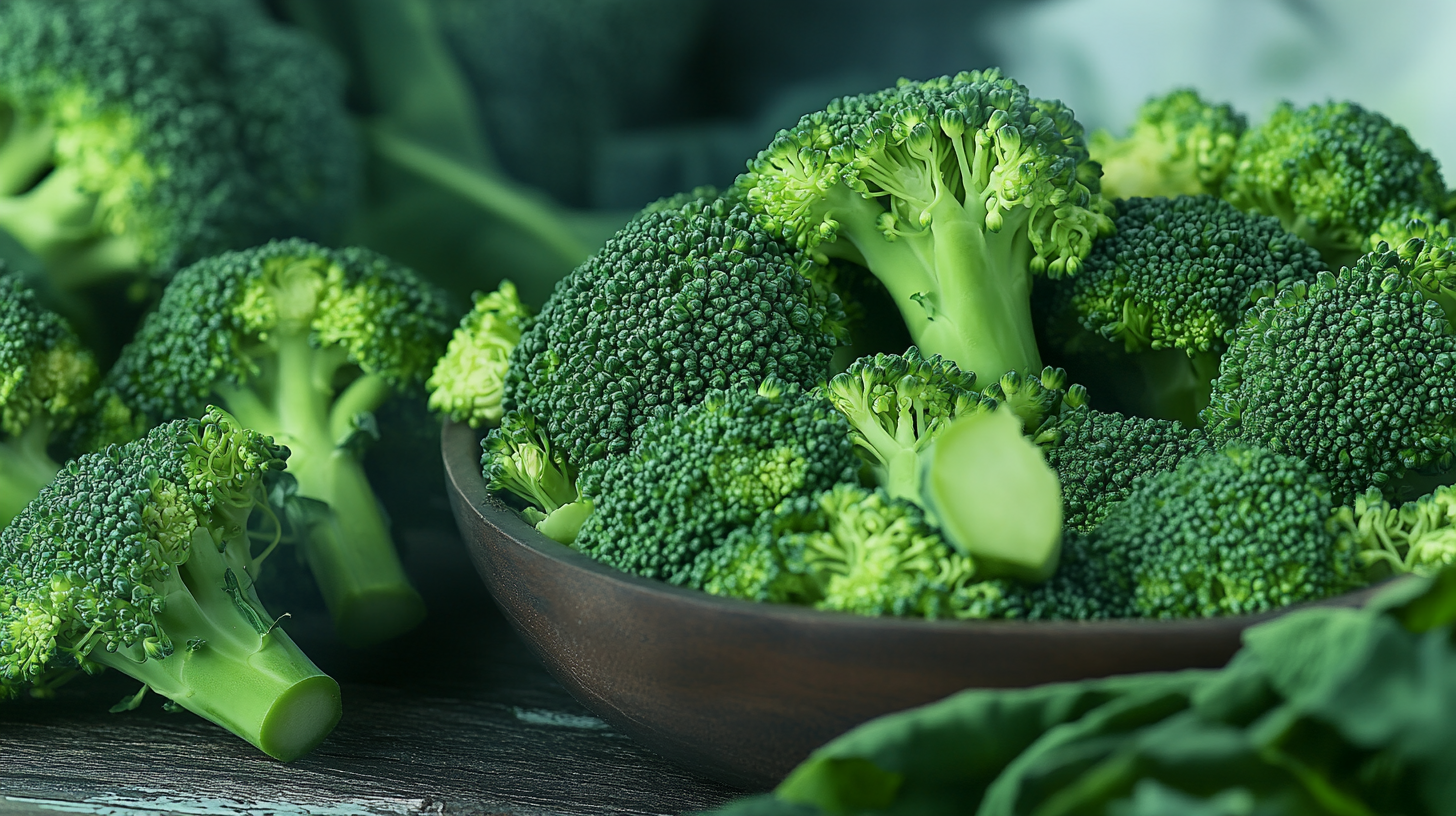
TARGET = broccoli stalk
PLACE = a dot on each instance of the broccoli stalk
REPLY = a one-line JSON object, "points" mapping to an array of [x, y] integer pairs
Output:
{"points": [[25, 467]]}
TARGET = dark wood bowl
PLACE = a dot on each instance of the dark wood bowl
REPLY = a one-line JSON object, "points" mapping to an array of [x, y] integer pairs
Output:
{"points": [[741, 692]]}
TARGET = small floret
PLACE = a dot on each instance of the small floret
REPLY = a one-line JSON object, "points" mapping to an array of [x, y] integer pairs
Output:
{"points": [[138, 558], [1428, 244], [1415, 537], [519, 457], [468, 383], [953, 192], [46, 380], [697, 475], [1090, 583], [1352, 373], [302, 343], [1178, 145], [682, 301], [138, 137], [1331, 174]]}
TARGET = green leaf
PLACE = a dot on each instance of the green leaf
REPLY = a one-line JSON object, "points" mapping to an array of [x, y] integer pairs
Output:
{"points": [[841, 785]]}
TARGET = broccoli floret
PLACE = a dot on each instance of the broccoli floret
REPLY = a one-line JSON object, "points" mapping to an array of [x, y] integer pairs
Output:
{"points": [[138, 558], [1098, 454], [139, 136], [1090, 583], [1331, 174], [695, 476], [1428, 244], [519, 457], [302, 343], [1351, 373], [1178, 145], [1175, 277], [953, 192], [468, 383], [1415, 537], [46, 380], [682, 301]]}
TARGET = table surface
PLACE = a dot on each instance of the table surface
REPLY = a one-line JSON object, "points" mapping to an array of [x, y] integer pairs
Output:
{"points": [[459, 718]]}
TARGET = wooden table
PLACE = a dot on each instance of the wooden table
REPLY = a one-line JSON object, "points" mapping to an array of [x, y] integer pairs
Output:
{"points": [[458, 719]]}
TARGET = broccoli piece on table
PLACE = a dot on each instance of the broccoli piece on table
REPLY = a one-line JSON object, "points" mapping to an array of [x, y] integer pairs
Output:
{"points": [[1351, 373], [468, 383], [953, 192], [138, 558], [682, 301], [1331, 174], [302, 343], [708, 469], [46, 380], [1179, 144], [139, 136]]}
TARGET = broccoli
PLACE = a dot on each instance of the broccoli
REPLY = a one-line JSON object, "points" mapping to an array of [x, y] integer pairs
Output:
{"points": [[1178, 145], [847, 549], [519, 457], [698, 474], [687, 298], [1098, 454], [953, 192], [1351, 373], [138, 136], [1417, 536], [1428, 244], [138, 558], [1332, 174], [46, 384], [1173, 279], [1091, 582], [467, 384], [301, 343]]}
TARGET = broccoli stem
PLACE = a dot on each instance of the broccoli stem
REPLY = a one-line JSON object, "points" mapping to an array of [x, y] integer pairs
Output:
{"points": [[256, 684], [25, 467], [26, 152], [350, 553], [964, 292], [58, 222]]}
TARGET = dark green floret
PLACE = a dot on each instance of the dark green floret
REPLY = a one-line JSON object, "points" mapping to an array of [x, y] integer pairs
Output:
{"points": [[1091, 582], [1352, 373], [1331, 174], [1097, 455], [682, 301], [1179, 144], [302, 343], [46, 380], [708, 469], [139, 558], [138, 136], [953, 192]]}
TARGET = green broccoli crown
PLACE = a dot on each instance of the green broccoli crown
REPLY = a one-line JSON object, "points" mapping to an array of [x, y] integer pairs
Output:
{"points": [[1351, 373], [1091, 583], [1238, 531], [47, 375], [221, 320], [1415, 537], [1037, 400], [1331, 174], [1097, 455], [93, 563], [144, 135], [1178, 145], [696, 475], [468, 383], [679, 303], [978, 137], [1178, 273]]}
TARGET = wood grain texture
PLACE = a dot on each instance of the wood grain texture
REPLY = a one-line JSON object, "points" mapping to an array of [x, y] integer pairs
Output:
{"points": [[459, 719]]}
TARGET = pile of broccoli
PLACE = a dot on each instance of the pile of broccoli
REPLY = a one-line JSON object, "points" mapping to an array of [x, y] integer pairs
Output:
{"points": [[1258, 320]]}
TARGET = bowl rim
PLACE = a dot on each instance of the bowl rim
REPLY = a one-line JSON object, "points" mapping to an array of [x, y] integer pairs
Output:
{"points": [[460, 446]]}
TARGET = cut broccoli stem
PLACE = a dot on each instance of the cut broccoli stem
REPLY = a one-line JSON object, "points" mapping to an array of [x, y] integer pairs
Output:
{"points": [[25, 467], [963, 291], [229, 663], [350, 551]]}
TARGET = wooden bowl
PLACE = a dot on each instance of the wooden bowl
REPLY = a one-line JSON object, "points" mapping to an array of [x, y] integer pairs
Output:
{"points": [[741, 692]]}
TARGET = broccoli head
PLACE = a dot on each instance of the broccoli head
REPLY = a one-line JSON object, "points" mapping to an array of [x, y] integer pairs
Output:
{"points": [[468, 383], [46, 380], [138, 558], [1331, 174], [953, 192], [1351, 373], [698, 474], [302, 343], [1178, 145], [684, 300], [139, 136]]}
